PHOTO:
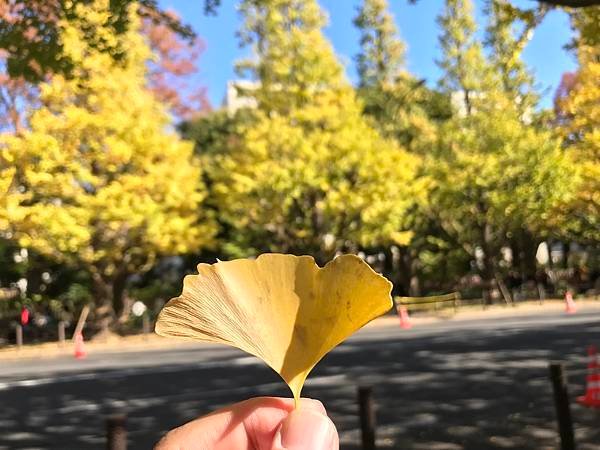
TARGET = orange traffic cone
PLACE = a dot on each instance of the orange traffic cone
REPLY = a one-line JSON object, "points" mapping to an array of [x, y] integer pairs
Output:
{"points": [[404, 318], [79, 346], [591, 399], [569, 303]]}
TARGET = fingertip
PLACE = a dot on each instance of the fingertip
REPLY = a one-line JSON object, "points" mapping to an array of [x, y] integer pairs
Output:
{"points": [[306, 429], [286, 404], [313, 404]]}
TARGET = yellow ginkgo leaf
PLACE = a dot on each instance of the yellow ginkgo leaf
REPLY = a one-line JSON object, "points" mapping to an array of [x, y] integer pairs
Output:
{"points": [[283, 309]]}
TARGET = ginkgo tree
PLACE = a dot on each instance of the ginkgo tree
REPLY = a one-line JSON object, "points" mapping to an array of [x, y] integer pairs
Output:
{"points": [[495, 175], [404, 110], [579, 114], [507, 34], [309, 174], [99, 182], [400, 104]]}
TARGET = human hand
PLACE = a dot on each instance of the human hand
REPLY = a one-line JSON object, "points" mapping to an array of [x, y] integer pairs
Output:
{"points": [[263, 423]]}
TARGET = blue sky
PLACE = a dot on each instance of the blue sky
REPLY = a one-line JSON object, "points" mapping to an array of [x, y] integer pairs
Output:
{"points": [[544, 54]]}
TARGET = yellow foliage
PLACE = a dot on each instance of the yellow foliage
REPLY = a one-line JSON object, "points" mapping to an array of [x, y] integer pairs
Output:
{"points": [[319, 178], [99, 178], [310, 173], [581, 131], [496, 176]]}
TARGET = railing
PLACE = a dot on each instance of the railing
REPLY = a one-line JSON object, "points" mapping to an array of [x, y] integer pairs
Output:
{"points": [[427, 303]]}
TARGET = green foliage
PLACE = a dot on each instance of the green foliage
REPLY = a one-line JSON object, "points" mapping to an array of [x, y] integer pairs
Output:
{"points": [[508, 32], [13, 266], [216, 132], [586, 23], [381, 59], [402, 106], [495, 175], [405, 112], [466, 71], [69, 301], [31, 32]]}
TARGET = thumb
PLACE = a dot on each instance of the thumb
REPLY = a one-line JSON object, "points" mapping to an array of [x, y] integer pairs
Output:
{"points": [[305, 429]]}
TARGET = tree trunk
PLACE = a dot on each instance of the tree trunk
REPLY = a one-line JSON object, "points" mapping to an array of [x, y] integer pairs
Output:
{"points": [[399, 268], [404, 271], [517, 260], [109, 293], [121, 303], [566, 254], [549, 245], [572, 3], [488, 275], [488, 272], [524, 247], [529, 246], [390, 268], [104, 313], [415, 286], [33, 275]]}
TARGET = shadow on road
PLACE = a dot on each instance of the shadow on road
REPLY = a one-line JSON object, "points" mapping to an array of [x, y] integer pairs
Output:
{"points": [[468, 389]]}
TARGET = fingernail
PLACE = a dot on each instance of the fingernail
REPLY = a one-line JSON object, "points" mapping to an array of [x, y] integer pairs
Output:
{"points": [[305, 430]]}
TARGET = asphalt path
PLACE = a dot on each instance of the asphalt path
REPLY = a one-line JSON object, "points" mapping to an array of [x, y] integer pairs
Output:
{"points": [[471, 384]]}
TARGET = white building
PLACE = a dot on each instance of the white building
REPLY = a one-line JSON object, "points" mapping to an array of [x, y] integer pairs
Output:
{"points": [[234, 96]]}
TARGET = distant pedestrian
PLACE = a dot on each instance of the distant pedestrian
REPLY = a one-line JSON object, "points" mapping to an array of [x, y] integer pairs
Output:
{"points": [[24, 316]]}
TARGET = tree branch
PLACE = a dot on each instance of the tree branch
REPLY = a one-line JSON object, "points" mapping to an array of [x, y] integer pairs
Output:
{"points": [[571, 3], [211, 6]]}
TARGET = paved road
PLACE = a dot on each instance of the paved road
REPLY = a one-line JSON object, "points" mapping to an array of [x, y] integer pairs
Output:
{"points": [[471, 385]]}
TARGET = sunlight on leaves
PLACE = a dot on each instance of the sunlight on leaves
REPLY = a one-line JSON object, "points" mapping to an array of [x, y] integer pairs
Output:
{"points": [[283, 309]]}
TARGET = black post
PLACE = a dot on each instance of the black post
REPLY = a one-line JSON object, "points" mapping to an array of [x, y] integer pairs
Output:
{"points": [[116, 434], [367, 417], [563, 408]]}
